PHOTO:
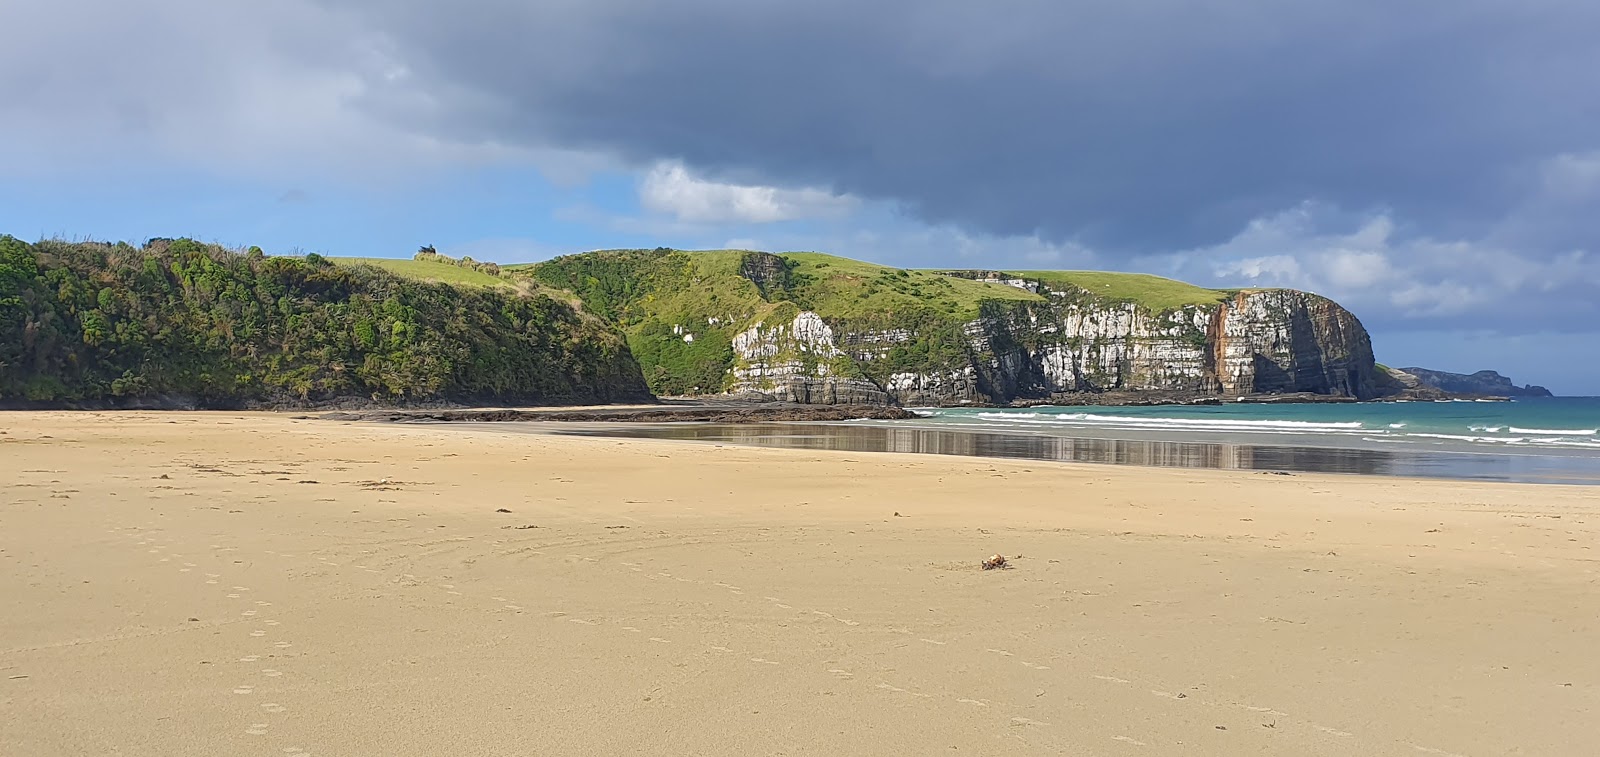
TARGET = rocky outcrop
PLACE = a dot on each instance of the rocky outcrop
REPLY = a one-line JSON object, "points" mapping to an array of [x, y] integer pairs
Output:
{"points": [[1258, 342], [1484, 383]]}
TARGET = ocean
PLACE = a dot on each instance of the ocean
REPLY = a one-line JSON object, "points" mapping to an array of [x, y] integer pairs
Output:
{"points": [[1559, 425], [1553, 441]]}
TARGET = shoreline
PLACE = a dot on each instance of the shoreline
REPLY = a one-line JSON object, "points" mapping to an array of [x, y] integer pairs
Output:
{"points": [[1112, 450], [877, 429]]}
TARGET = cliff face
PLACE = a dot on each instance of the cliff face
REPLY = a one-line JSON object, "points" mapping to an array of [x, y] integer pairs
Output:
{"points": [[1257, 342]]}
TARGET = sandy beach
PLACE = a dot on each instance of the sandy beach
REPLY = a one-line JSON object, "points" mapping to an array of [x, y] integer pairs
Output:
{"points": [[251, 584]]}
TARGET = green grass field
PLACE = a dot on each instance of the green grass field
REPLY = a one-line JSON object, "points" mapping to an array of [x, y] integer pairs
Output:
{"points": [[1153, 292], [427, 271], [851, 287]]}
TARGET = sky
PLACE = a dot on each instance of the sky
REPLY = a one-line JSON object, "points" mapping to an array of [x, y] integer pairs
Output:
{"points": [[1433, 166]]}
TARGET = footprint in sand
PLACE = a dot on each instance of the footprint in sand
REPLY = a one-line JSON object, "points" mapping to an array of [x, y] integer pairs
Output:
{"points": [[270, 673], [273, 707], [244, 690], [257, 729], [233, 596], [271, 622], [251, 658], [1128, 740], [258, 633], [1113, 679], [248, 613], [659, 640], [764, 661], [977, 702], [283, 645]]}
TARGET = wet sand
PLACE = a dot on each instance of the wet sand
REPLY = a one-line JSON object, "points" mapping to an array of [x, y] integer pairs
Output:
{"points": [[203, 584]]}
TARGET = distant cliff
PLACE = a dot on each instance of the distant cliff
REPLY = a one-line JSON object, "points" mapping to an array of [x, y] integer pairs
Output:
{"points": [[812, 328], [1486, 383]]}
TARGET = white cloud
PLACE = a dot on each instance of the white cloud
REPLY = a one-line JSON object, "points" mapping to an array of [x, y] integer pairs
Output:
{"points": [[1387, 277], [670, 188]]}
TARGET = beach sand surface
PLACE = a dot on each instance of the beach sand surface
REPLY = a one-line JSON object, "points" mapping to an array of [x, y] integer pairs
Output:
{"points": [[252, 584]]}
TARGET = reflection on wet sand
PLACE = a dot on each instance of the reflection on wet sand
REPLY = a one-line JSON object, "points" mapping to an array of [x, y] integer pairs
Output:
{"points": [[1170, 454]]}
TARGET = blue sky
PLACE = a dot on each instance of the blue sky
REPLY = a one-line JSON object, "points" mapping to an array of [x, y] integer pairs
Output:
{"points": [[1434, 167]]}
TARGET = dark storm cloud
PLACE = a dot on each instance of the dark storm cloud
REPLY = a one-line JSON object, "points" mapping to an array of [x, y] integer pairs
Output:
{"points": [[1130, 126]]}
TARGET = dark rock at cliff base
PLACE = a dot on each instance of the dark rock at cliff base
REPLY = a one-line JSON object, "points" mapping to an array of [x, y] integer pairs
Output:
{"points": [[1482, 383], [695, 414]]}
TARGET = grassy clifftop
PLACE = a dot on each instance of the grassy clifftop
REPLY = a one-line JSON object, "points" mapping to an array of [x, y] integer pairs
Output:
{"points": [[1153, 293], [428, 270]]}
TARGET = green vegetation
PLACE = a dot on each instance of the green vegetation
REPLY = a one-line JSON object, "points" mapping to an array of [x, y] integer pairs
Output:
{"points": [[1153, 293], [851, 288], [179, 321], [659, 297]]}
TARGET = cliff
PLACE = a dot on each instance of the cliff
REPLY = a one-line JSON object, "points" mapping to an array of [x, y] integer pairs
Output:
{"points": [[811, 328], [1483, 383], [176, 323]]}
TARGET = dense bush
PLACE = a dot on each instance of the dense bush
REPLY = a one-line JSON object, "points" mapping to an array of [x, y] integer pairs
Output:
{"points": [[91, 323]]}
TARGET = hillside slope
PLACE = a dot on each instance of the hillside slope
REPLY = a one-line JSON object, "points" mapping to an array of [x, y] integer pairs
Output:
{"points": [[178, 323], [808, 327]]}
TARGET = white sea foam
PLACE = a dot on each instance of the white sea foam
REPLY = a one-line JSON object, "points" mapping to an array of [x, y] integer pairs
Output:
{"points": [[1201, 424], [1554, 431], [1397, 425], [1458, 437]]}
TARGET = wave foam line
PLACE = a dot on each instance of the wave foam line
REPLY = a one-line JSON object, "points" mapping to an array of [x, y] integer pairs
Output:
{"points": [[1157, 422]]}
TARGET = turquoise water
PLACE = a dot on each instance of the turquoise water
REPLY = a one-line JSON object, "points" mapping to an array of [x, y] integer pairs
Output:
{"points": [[1563, 425]]}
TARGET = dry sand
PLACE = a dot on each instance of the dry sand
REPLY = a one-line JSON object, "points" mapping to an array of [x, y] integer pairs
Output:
{"points": [[248, 584]]}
